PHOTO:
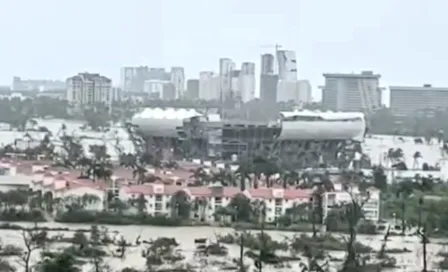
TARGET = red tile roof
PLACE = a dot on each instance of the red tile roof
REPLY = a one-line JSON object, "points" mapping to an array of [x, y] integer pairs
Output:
{"points": [[263, 193]]}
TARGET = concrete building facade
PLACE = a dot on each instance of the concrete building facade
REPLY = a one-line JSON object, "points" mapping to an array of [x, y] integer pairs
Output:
{"points": [[88, 89], [226, 66], [247, 81], [352, 92], [406, 100], [178, 80], [287, 65], [209, 86]]}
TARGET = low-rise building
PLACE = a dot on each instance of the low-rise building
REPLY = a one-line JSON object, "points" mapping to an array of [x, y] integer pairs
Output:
{"points": [[65, 188], [158, 198], [369, 201]]}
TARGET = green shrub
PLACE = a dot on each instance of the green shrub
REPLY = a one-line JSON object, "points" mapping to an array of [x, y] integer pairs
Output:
{"points": [[15, 215], [81, 216]]}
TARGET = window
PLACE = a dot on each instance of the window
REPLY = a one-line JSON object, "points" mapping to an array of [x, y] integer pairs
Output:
{"points": [[158, 206], [158, 198], [218, 200]]}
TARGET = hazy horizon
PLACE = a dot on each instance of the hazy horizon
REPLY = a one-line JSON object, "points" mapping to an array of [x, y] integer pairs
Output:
{"points": [[55, 39]]}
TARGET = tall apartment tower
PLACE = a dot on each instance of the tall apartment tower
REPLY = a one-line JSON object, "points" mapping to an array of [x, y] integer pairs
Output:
{"points": [[89, 89], [268, 79], [247, 81], [287, 65], [352, 92], [178, 81], [267, 64], [226, 66]]}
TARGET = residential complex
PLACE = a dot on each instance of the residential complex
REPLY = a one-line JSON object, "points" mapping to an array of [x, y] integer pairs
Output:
{"points": [[352, 92], [65, 185], [88, 89], [406, 100]]}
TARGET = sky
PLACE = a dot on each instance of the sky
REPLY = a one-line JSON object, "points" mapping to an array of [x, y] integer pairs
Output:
{"points": [[403, 40]]}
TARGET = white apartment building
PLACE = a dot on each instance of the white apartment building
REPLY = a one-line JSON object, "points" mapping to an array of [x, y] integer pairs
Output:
{"points": [[88, 89], [154, 87], [406, 100], [287, 65], [158, 196], [352, 92], [246, 81], [298, 91], [178, 80], [209, 86], [226, 66], [371, 206]]}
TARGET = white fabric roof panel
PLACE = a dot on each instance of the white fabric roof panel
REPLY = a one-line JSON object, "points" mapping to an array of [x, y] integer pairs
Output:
{"points": [[168, 113], [162, 122], [340, 126]]}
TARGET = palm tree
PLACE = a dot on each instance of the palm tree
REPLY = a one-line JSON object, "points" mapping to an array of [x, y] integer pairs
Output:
{"points": [[100, 167], [395, 155], [89, 199], [417, 155], [266, 166], [245, 169], [200, 206], [140, 204], [180, 205], [297, 210], [403, 191], [200, 176], [128, 160]]}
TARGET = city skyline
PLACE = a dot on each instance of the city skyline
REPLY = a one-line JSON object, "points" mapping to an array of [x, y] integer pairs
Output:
{"points": [[347, 36]]}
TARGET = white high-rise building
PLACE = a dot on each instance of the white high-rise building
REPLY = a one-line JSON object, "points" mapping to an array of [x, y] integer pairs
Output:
{"points": [[298, 91], [305, 91], [247, 81], [209, 86], [226, 66], [178, 80], [89, 89], [133, 78], [267, 64], [352, 92], [287, 65]]}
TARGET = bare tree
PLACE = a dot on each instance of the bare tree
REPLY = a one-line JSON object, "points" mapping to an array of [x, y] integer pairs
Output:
{"points": [[33, 240]]}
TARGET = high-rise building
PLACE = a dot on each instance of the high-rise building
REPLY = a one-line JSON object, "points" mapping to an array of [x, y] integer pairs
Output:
{"points": [[226, 66], [178, 80], [154, 88], [192, 89], [235, 84], [247, 81], [268, 88], [133, 78], [287, 65], [89, 89], [407, 100], [267, 64], [305, 92], [209, 86], [298, 91], [352, 92]]}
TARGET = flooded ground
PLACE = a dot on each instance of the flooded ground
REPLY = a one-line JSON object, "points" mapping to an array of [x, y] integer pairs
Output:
{"points": [[185, 236]]}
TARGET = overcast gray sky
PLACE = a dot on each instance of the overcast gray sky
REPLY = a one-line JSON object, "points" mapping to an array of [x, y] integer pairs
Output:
{"points": [[405, 40]]}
